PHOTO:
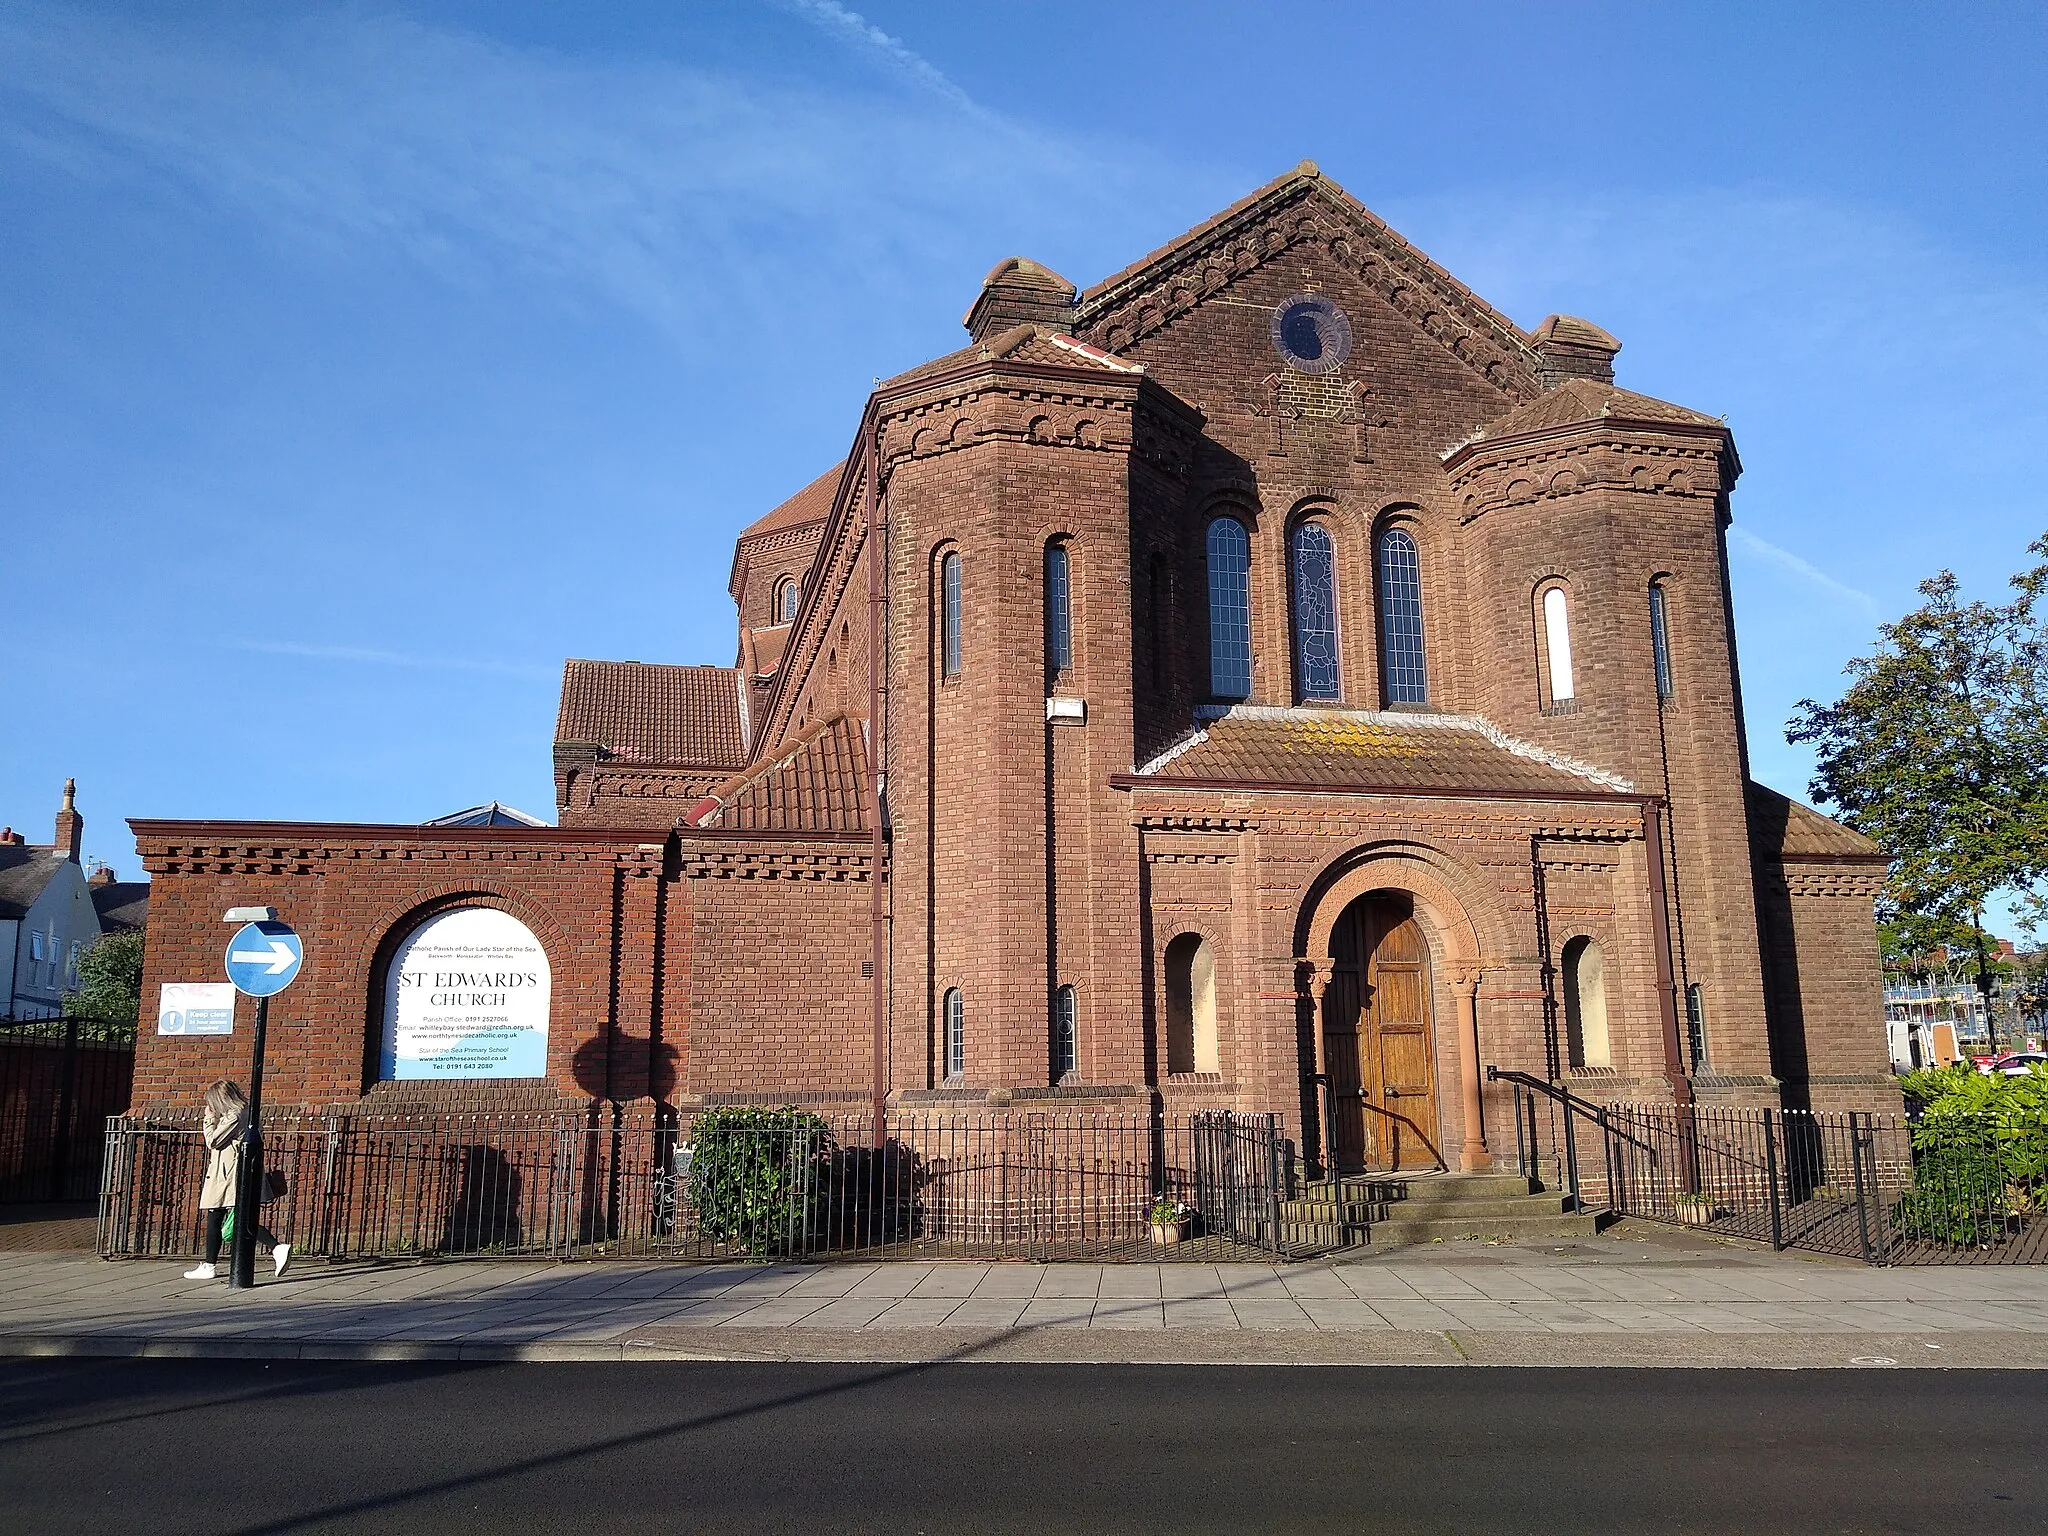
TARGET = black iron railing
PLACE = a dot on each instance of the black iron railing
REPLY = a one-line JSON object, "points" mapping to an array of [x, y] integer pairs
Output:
{"points": [[59, 1080], [784, 1185]]}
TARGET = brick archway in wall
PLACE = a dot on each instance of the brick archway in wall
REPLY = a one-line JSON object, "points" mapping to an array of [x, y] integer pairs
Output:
{"points": [[1463, 932]]}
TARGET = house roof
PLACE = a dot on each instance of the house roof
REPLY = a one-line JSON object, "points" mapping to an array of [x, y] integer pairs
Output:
{"points": [[122, 905], [1369, 750], [812, 504], [1780, 827], [1582, 400], [654, 713], [493, 813], [1025, 343], [816, 783], [24, 872]]}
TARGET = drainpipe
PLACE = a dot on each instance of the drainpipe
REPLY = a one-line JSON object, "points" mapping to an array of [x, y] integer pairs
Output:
{"points": [[877, 762], [1667, 998]]}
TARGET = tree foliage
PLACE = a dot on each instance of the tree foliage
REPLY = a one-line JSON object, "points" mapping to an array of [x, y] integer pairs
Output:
{"points": [[1938, 751], [109, 979]]}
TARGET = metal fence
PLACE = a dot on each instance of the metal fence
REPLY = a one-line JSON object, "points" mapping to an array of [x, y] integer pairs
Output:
{"points": [[798, 1187], [1884, 1188], [59, 1080]]}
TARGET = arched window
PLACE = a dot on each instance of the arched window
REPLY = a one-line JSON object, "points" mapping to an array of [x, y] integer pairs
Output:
{"points": [[1313, 558], [1230, 609], [1066, 1034], [1660, 640], [1557, 645], [1585, 1005], [1404, 673], [787, 592], [949, 615], [1191, 1005], [466, 996], [1059, 610], [954, 1024]]}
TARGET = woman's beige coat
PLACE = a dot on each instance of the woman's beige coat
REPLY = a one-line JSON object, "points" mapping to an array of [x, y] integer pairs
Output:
{"points": [[223, 1136]]}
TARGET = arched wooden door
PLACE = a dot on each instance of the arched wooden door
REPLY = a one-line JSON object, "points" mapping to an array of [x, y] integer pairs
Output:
{"points": [[1377, 1042]]}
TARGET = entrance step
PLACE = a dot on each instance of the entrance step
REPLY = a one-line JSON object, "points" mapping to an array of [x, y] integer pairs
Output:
{"points": [[1391, 1211]]}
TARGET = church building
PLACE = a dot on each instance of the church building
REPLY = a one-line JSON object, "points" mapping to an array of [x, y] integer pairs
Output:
{"points": [[1267, 679]]}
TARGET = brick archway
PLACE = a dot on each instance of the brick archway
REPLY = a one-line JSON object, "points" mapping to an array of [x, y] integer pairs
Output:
{"points": [[1464, 931]]}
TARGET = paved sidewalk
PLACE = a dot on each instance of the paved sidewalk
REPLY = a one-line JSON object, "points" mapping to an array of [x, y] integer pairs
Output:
{"points": [[1639, 1299]]}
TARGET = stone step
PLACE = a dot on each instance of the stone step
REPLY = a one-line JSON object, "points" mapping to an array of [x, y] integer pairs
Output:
{"points": [[1402, 1234]]}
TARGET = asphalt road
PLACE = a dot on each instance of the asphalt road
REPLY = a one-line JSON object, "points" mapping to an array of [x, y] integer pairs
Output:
{"points": [[254, 1447]]}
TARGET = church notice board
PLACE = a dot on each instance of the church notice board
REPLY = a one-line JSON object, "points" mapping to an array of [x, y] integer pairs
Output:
{"points": [[466, 997]]}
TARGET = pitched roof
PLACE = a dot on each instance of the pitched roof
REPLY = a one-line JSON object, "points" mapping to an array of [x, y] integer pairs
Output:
{"points": [[1780, 827], [812, 504], [1581, 400], [1025, 343], [816, 783], [767, 647], [654, 713], [1370, 750], [121, 904], [492, 813], [24, 871]]}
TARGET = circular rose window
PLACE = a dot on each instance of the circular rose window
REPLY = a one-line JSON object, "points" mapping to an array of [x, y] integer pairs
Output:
{"points": [[1311, 334]]}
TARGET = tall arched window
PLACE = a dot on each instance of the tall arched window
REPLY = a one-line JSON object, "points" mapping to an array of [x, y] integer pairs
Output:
{"points": [[1585, 1005], [1059, 609], [953, 1016], [1557, 645], [949, 615], [1230, 609], [1404, 672], [1066, 1033], [1660, 640], [1191, 1005], [1313, 557], [786, 597]]}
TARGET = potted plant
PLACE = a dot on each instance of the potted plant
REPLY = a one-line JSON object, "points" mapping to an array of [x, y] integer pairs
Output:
{"points": [[1695, 1210], [1169, 1220]]}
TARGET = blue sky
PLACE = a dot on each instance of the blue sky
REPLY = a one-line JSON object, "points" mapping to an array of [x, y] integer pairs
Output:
{"points": [[359, 364]]}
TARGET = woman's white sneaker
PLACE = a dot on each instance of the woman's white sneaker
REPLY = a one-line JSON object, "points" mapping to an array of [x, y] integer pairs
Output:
{"points": [[281, 1255], [203, 1272]]}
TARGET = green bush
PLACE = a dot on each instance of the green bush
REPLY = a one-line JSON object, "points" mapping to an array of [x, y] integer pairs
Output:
{"points": [[754, 1172], [1980, 1154]]}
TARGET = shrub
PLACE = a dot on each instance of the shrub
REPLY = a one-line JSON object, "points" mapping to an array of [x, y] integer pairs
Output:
{"points": [[1980, 1154], [754, 1173]]}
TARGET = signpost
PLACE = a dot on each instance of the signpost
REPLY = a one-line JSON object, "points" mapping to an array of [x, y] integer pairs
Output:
{"points": [[263, 959]]}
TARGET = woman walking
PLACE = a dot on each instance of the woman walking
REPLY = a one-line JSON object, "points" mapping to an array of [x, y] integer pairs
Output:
{"points": [[221, 1126]]}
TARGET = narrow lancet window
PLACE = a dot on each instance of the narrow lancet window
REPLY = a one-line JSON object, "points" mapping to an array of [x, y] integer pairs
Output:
{"points": [[1660, 640], [1059, 612], [949, 616], [1230, 610], [1401, 655], [1557, 645], [1066, 1052], [954, 1012], [1316, 674]]}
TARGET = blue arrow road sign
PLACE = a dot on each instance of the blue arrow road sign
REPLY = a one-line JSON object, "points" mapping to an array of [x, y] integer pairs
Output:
{"points": [[264, 958]]}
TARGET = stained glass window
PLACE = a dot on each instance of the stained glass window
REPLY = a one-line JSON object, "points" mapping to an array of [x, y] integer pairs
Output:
{"points": [[1230, 609], [956, 1033], [1065, 1033], [949, 616], [1059, 618], [1660, 640], [1401, 654], [1315, 613]]}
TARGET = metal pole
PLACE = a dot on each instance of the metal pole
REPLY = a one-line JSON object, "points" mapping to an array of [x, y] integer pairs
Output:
{"points": [[242, 1260], [1771, 1177], [1273, 1182], [60, 1160], [1856, 1160]]}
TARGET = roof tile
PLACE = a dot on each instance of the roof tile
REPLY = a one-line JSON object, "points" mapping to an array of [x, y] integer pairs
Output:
{"points": [[654, 713], [817, 783]]}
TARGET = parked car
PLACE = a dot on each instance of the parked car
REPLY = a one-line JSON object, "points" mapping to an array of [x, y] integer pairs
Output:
{"points": [[2016, 1063]]}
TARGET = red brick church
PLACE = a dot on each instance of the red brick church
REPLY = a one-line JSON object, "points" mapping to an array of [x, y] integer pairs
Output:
{"points": [[1269, 678]]}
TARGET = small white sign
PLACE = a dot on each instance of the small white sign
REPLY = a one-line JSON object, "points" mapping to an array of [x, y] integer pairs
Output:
{"points": [[196, 1008], [467, 997]]}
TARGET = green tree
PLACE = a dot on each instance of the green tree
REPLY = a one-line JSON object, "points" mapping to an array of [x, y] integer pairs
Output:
{"points": [[109, 979], [1938, 751]]}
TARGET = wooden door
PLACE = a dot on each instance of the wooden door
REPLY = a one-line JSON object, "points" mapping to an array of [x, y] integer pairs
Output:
{"points": [[1343, 1058], [1396, 1047]]}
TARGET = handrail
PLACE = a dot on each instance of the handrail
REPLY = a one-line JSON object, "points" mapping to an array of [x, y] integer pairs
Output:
{"points": [[1585, 1108]]}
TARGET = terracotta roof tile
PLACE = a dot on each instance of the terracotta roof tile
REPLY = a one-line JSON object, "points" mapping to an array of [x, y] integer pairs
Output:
{"points": [[812, 504], [1780, 827], [654, 713], [1368, 750], [1579, 400], [1027, 343], [816, 783]]}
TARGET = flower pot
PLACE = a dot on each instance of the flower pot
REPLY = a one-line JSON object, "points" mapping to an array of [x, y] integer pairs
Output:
{"points": [[1167, 1233], [1696, 1215]]}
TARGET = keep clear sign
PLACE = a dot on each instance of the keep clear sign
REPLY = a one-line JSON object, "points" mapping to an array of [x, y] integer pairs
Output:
{"points": [[467, 997]]}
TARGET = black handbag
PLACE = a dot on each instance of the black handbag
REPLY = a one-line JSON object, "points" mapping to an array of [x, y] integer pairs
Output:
{"points": [[274, 1185]]}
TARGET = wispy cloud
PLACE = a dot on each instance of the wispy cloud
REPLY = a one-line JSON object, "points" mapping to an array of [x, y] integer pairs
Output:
{"points": [[851, 27], [1806, 570], [680, 192], [376, 658]]}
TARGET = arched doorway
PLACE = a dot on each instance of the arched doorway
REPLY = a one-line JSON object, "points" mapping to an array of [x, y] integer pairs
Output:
{"points": [[1378, 1038]]}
